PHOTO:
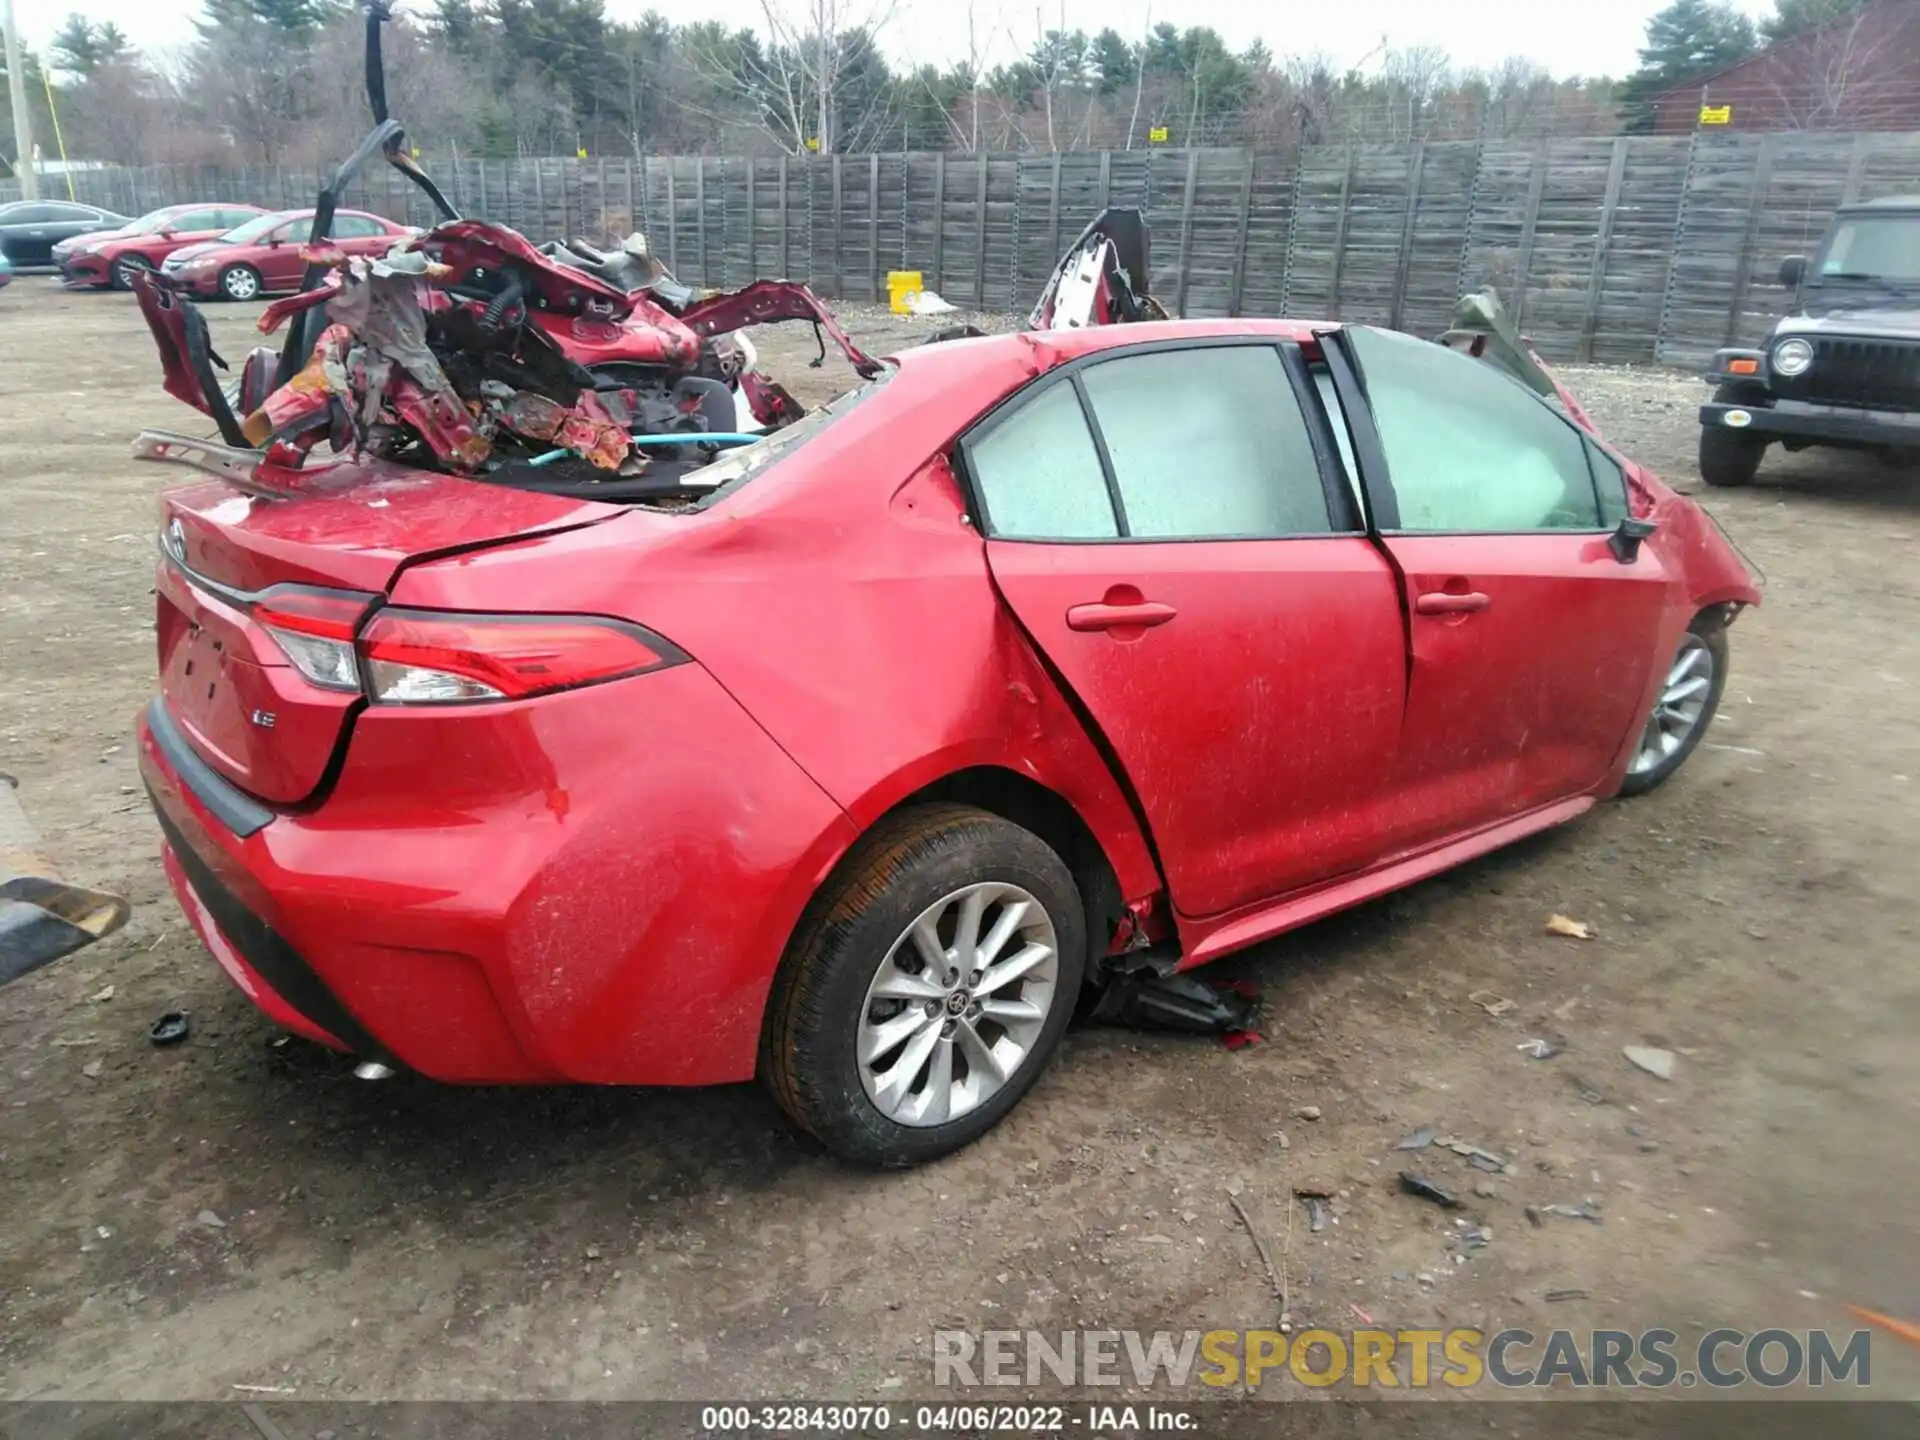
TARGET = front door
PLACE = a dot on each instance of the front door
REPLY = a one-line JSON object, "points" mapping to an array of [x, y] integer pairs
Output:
{"points": [[1169, 526], [1531, 642]]}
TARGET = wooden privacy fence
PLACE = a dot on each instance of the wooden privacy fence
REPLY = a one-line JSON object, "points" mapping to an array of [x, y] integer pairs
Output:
{"points": [[1627, 249]]}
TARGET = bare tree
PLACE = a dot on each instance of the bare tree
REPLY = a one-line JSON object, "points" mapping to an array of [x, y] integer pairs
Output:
{"points": [[1823, 74], [807, 55]]}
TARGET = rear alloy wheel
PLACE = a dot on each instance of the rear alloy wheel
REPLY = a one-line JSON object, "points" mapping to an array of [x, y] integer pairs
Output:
{"points": [[1684, 708], [126, 268], [240, 282], [927, 988], [1730, 457]]}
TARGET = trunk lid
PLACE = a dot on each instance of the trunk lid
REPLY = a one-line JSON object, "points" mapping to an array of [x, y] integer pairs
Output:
{"points": [[225, 679]]}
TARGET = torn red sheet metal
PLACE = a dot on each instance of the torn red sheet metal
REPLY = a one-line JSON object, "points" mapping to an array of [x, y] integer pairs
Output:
{"points": [[767, 302], [587, 428], [308, 396]]}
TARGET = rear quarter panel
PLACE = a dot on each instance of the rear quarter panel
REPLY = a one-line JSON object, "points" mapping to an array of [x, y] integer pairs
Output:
{"points": [[844, 600]]}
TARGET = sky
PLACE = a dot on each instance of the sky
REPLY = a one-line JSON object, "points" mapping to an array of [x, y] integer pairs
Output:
{"points": [[1569, 39]]}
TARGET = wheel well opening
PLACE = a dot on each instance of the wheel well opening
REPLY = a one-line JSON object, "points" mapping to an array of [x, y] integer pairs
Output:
{"points": [[1034, 807]]}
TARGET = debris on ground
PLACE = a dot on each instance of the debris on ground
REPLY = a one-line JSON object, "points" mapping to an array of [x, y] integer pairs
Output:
{"points": [[1274, 1277], [1306, 1112], [1587, 1209], [1542, 1049], [1493, 1003], [1555, 1296], [925, 302], [207, 1219], [1144, 999], [1418, 1140], [1476, 1237], [1572, 929], [1658, 1063], [1477, 1156], [92, 1069], [1425, 1189], [1903, 1329], [170, 1029], [104, 993]]}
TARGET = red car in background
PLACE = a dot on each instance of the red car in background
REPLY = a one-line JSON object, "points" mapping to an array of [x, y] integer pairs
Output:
{"points": [[263, 255], [1040, 660], [97, 261]]}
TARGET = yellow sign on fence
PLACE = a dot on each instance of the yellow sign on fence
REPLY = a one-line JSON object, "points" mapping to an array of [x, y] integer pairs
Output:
{"points": [[1158, 135], [813, 142], [1716, 114]]}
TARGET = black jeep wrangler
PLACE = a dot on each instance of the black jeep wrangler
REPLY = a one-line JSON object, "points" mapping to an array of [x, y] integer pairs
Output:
{"points": [[1845, 369]]}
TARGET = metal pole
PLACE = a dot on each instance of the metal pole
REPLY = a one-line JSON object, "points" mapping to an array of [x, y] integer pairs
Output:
{"points": [[23, 163]]}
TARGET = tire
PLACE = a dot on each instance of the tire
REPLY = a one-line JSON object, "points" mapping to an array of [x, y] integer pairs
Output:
{"points": [[1646, 770], [857, 936], [240, 282], [120, 276], [1730, 457]]}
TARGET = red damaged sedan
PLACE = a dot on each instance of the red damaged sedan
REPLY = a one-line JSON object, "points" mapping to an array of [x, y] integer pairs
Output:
{"points": [[263, 255], [98, 261], [1039, 660]]}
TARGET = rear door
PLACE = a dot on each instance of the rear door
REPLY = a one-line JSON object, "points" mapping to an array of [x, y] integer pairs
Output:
{"points": [[278, 258], [1531, 643], [31, 231], [1169, 525], [363, 235]]}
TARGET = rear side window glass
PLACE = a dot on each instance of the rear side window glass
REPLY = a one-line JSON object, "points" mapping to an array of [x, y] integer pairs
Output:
{"points": [[1208, 443], [356, 227], [1469, 450], [1039, 474]]}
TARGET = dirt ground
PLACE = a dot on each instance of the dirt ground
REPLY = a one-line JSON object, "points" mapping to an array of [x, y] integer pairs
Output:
{"points": [[237, 1212]]}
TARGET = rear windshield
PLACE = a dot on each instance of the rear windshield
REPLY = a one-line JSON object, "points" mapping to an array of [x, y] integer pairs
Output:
{"points": [[737, 467], [1874, 248], [256, 227]]}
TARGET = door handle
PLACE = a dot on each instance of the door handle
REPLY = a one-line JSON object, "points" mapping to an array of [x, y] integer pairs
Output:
{"points": [[1445, 602], [1143, 614]]}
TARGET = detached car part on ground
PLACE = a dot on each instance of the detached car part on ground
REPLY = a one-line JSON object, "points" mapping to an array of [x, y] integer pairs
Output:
{"points": [[1844, 369], [1035, 662], [42, 917]]}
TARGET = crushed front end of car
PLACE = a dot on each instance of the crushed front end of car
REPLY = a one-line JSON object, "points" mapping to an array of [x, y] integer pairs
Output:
{"points": [[467, 349]]}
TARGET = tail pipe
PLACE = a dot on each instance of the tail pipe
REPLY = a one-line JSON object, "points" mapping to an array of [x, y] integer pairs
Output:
{"points": [[42, 917]]}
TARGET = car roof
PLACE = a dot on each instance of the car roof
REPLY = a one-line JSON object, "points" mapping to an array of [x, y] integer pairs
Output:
{"points": [[1884, 203], [1048, 348]]}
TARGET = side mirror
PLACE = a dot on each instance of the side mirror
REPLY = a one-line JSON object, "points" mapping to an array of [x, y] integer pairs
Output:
{"points": [[1793, 270], [274, 242], [1626, 538], [167, 232]]}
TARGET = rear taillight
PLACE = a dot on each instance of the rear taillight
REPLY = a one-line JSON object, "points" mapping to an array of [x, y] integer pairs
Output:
{"points": [[430, 657], [439, 657], [314, 628]]}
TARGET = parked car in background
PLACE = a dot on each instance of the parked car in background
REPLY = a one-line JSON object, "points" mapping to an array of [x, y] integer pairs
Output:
{"points": [[263, 255], [114, 257], [1842, 368], [29, 229], [6, 273]]}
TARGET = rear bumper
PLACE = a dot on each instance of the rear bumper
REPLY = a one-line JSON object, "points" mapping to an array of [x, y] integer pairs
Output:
{"points": [[584, 896], [1794, 419]]}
